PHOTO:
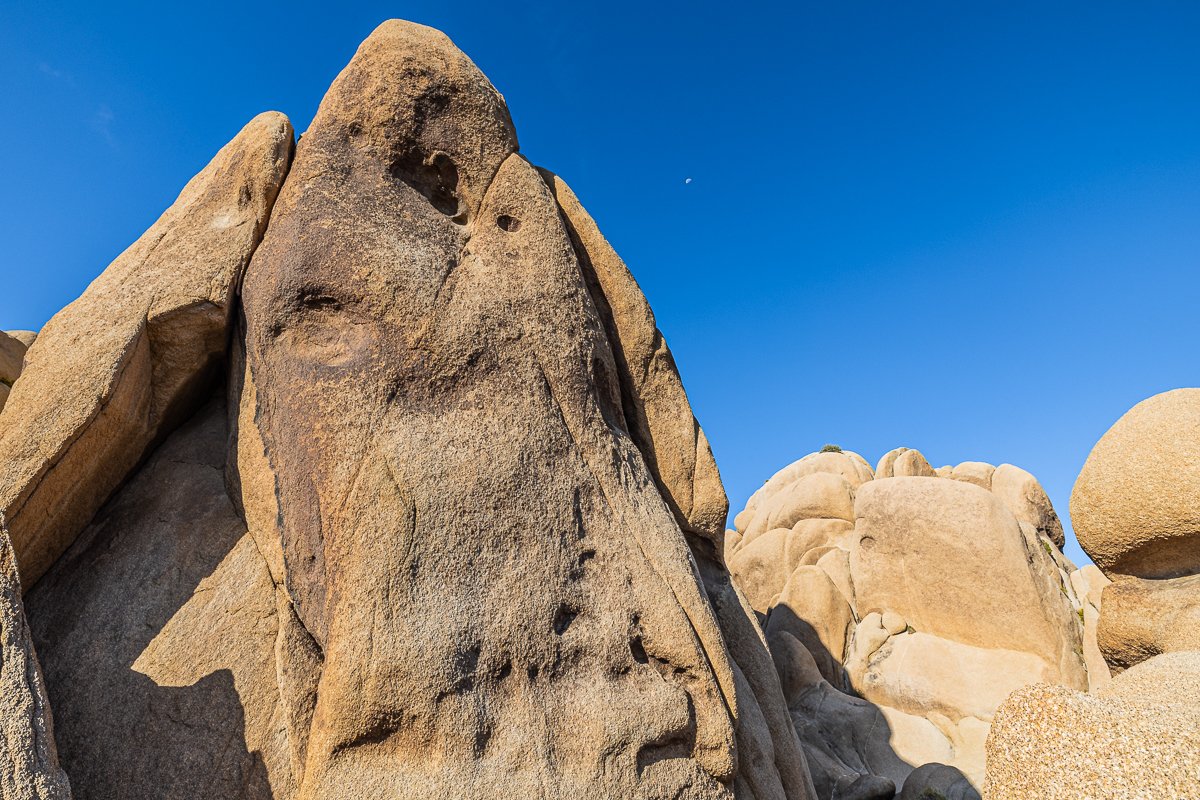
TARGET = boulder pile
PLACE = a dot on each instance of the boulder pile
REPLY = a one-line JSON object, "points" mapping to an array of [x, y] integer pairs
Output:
{"points": [[902, 605], [1136, 512]]}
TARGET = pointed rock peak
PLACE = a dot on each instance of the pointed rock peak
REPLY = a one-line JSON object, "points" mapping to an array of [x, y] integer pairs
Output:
{"points": [[413, 102]]}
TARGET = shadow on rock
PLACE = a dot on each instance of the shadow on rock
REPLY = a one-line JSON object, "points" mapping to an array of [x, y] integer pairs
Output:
{"points": [[139, 713], [846, 738]]}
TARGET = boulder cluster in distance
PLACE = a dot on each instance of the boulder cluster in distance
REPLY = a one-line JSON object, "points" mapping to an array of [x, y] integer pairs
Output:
{"points": [[366, 473]]}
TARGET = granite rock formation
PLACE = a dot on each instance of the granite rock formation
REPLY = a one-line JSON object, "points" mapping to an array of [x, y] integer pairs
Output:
{"points": [[890, 600], [367, 473], [1136, 512]]}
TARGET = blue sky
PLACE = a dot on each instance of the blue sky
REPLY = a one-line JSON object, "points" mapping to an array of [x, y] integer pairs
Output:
{"points": [[970, 228]]}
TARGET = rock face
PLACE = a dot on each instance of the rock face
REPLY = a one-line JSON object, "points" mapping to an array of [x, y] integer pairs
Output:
{"points": [[157, 633], [452, 529], [889, 605], [1137, 737]]}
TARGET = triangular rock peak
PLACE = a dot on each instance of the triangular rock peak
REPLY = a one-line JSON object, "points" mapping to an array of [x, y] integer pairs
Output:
{"points": [[467, 542]]}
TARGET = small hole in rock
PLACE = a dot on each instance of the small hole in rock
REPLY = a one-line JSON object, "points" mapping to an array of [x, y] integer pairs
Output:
{"points": [[563, 619], [507, 223], [638, 650]]}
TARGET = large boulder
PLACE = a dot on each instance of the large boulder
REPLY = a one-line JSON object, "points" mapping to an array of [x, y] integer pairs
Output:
{"points": [[1028, 501], [893, 626], [12, 356], [418, 270], [116, 370], [929, 548], [1136, 504], [1137, 737], [904, 463]]}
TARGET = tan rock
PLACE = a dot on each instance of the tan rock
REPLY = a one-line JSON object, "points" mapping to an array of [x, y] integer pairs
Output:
{"points": [[821, 495], [903, 462], [912, 464], [12, 354], [762, 563], [1139, 737], [1140, 619], [12, 357], [1136, 504], [927, 676], [893, 623], [912, 530], [1028, 501], [674, 446], [761, 568], [976, 472], [117, 369], [817, 534], [1089, 582], [28, 753], [883, 469], [935, 571], [24, 337], [836, 564], [732, 540], [850, 466], [869, 635], [456, 532]]}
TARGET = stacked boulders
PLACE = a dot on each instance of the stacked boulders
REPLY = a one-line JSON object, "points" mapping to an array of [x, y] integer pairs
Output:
{"points": [[1136, 512], [902, 605]]}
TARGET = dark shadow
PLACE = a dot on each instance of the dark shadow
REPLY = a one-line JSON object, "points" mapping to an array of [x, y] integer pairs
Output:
{"points": [[846, 738], [121, 735]]}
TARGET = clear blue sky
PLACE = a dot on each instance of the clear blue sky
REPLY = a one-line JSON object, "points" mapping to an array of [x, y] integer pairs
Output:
{"points": [[970, 228]]}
